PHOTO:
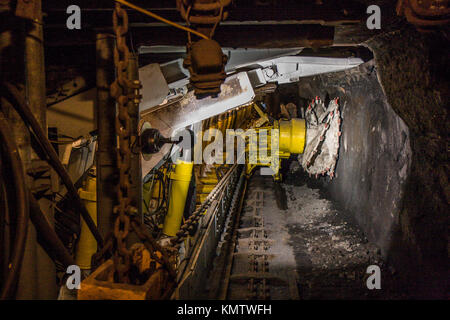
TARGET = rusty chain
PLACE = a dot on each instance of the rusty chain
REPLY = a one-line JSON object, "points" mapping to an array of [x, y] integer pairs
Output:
{"points": [[153, 247], [205, 60], [206, 14], [124, 91], [119, 90]]}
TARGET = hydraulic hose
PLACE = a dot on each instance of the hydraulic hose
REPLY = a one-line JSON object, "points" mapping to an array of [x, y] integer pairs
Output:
{"points": [[11, 154], [52, 244], [27, 116]]}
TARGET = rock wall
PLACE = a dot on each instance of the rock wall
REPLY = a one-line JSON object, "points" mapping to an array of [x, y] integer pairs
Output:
{"points": [[374, 156], [413, 69], [392, 171]]}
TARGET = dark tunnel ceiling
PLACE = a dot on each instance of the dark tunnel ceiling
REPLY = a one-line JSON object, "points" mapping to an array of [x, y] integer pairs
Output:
{"points": [[330, 11], [283, 23], [70, 53]]}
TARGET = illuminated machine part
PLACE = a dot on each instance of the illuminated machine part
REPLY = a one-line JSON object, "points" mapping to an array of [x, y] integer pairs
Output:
{"points": [[322, 138], [292, 135], [187, 110], [280, 140], [180, 179]]}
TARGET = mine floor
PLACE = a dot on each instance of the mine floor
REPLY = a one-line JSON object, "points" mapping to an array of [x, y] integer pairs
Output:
{"points": [[312, 250]]}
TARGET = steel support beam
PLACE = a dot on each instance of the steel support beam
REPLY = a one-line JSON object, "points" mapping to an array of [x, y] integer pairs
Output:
{"points": [[135, 171], [105, 112]]}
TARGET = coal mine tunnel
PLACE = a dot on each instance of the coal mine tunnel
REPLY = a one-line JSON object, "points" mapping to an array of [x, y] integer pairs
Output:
{"points": [[224, 150]]}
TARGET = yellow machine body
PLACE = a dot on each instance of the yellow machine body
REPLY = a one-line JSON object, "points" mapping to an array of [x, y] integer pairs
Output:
{"points": [[292, 135], [291, 140], [87, 245], [179, 181]]}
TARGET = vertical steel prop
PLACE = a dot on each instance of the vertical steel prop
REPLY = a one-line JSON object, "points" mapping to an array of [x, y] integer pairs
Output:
{"points": [[106, 142]]}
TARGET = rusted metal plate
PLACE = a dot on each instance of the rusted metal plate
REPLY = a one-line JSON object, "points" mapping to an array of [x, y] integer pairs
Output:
{"points": [[28, 9], [99, 286], [424, 14]]}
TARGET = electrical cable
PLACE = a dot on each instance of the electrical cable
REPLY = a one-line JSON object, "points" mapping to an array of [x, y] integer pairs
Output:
{"points": [[27, 116], [11, 153]]}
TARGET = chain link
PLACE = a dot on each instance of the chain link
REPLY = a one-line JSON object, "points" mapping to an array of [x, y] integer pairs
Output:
{"points": [[124, 90], [119, 90], [228, 181], [206, 15]]}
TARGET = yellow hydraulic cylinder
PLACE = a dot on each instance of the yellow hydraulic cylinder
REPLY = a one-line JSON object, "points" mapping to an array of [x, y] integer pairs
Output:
{"points": [[291, 140], [180, 179], [292, 135], [87, 245]]}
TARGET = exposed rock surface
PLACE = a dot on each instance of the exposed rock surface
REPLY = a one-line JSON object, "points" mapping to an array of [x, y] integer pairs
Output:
{"points": [[413, 69], [374, 155], [394, 180]]}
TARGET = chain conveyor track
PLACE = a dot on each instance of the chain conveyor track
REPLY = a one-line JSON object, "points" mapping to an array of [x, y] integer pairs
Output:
{"points": [[260, 266]]}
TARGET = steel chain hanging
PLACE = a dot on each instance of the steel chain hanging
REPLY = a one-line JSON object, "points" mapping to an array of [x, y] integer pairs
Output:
{"points": [[119, 90], [124, 90]]}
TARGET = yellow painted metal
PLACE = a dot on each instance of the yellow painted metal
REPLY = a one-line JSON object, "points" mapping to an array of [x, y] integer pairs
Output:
{"points": [[238, 120], [229, 120], [206, 178], [292, 138], [263, 116], [206, 181], [248, 112], [242, 116], [221, 123], [87, 245], [233, 119], [180, 179], [205, 188], [292, 135]]}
